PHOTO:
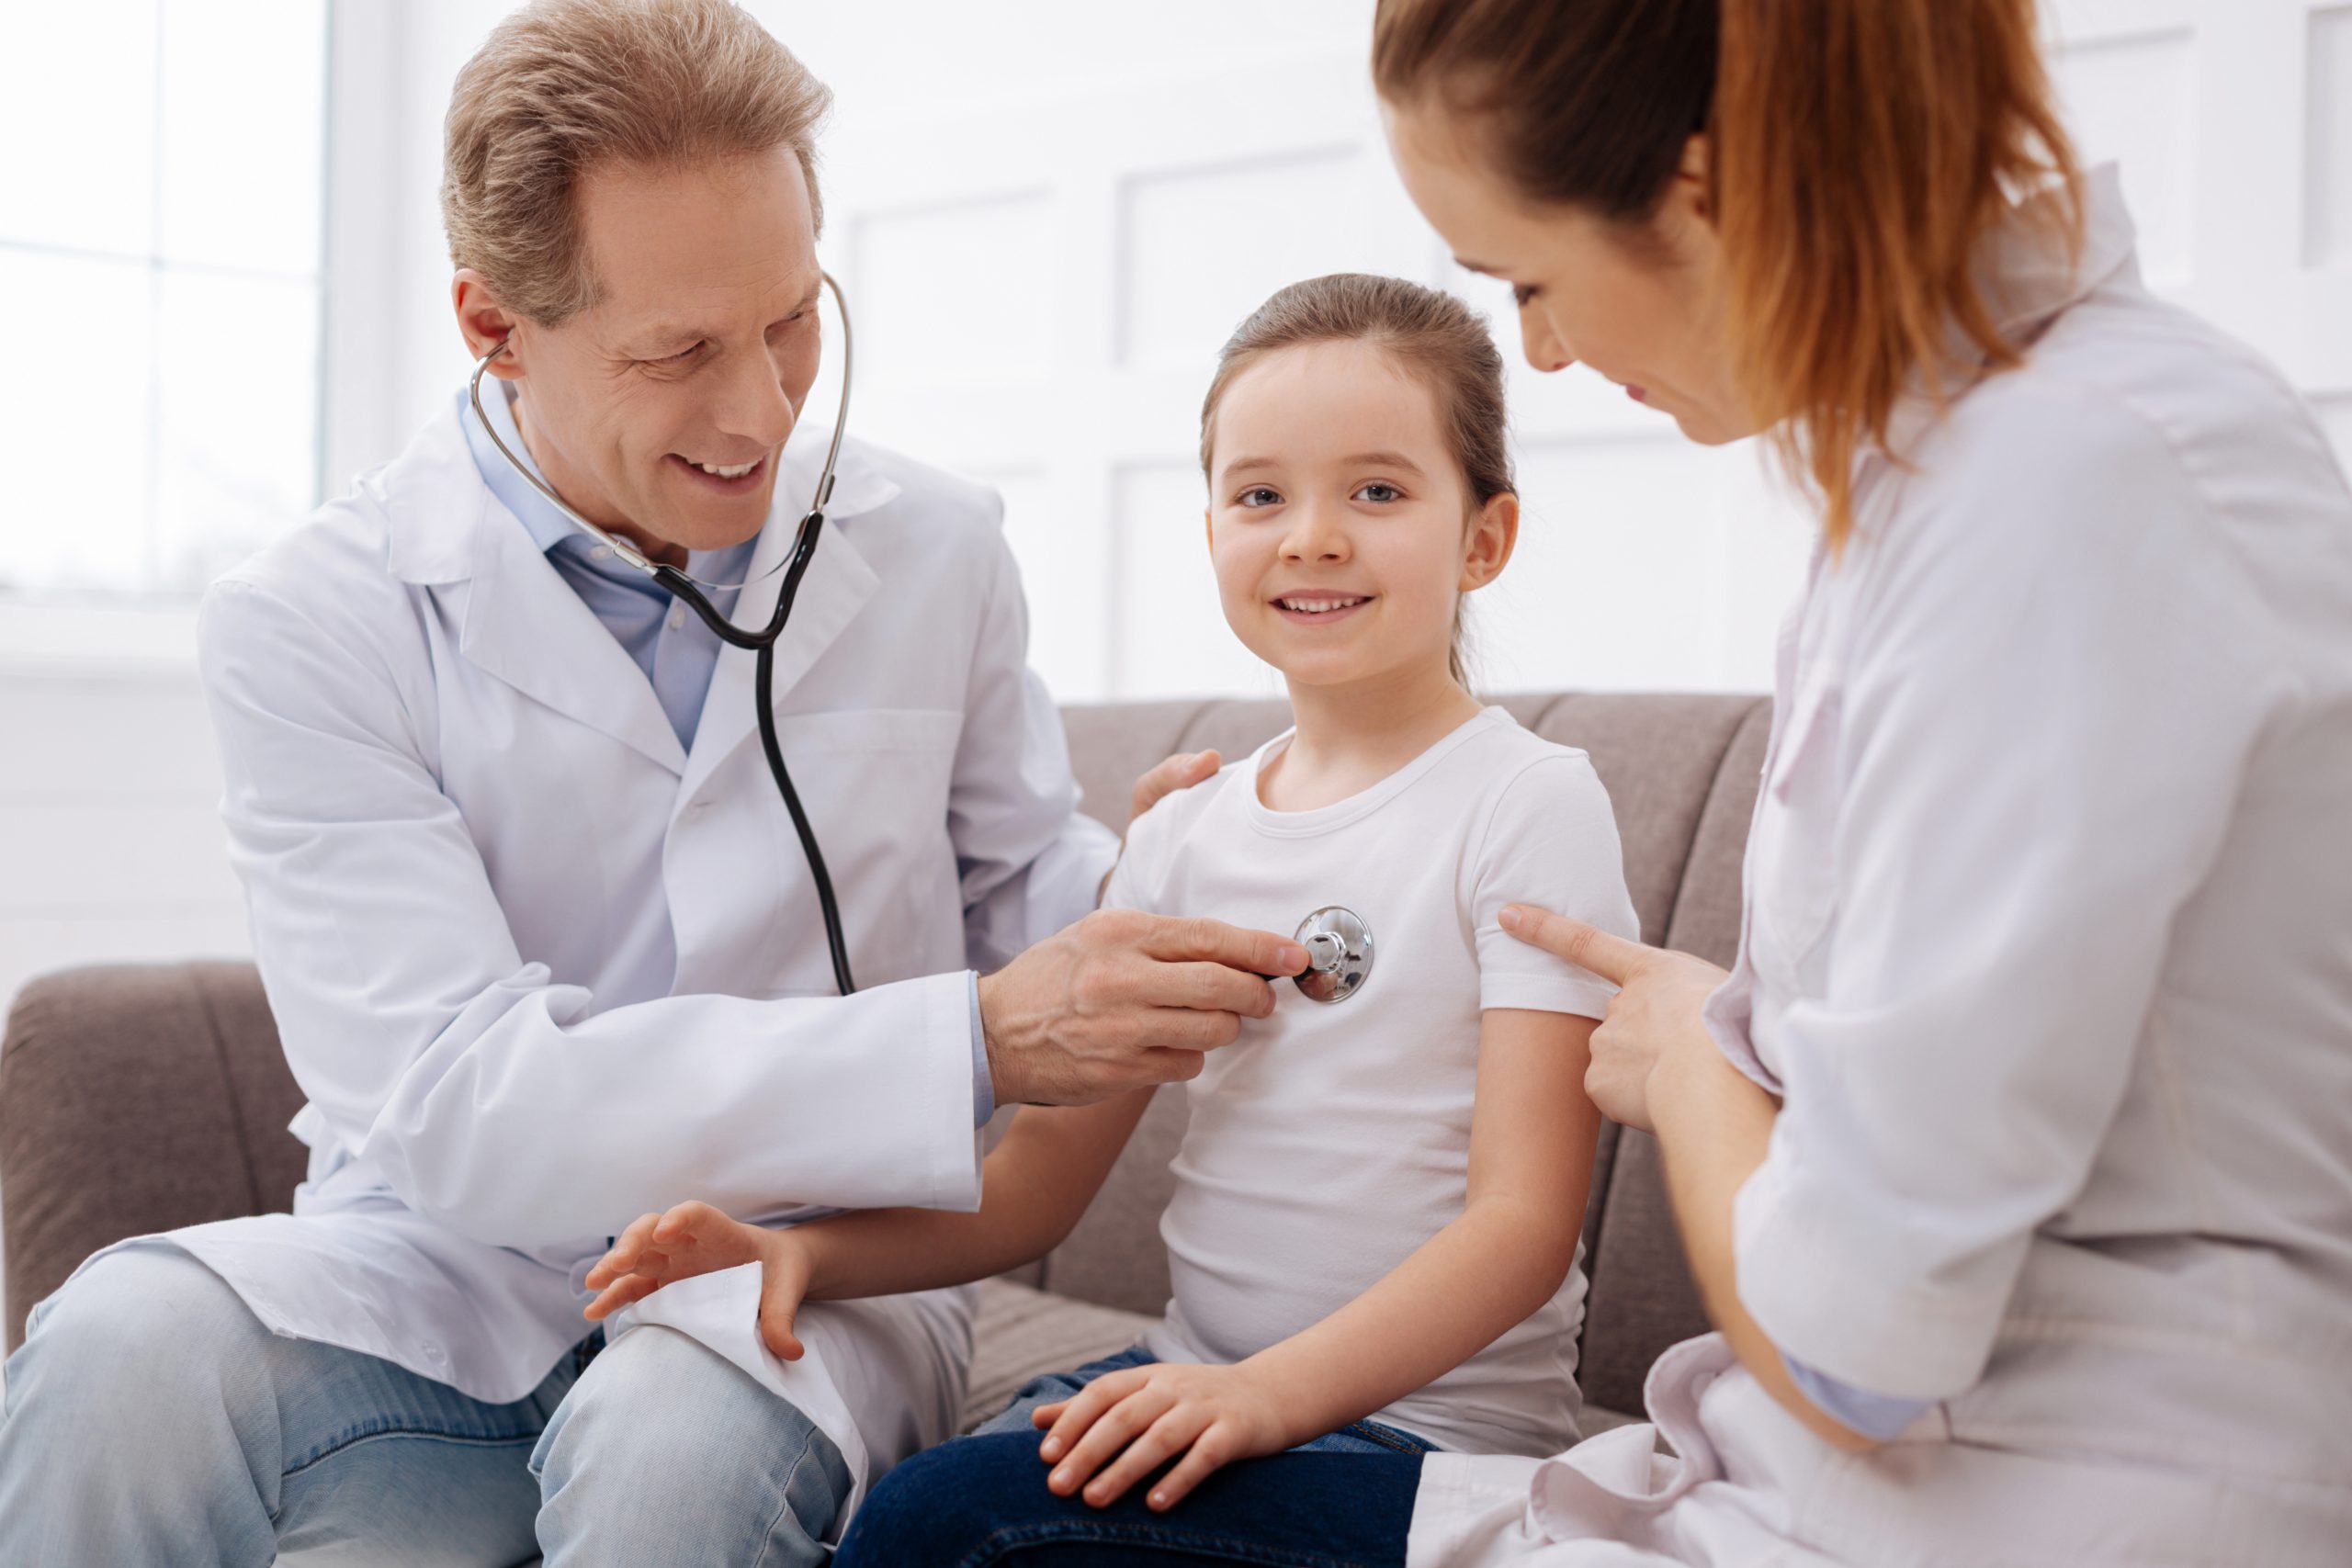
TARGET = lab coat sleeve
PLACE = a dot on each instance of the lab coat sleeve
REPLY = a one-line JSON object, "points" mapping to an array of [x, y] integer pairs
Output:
{"points": [[1031, 862], [2053, 682], [496, 1101]]}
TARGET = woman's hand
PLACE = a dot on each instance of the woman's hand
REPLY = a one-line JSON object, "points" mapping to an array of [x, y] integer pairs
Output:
{"points": [[694, 1238], [1653, 1022], [1138, 1419]]}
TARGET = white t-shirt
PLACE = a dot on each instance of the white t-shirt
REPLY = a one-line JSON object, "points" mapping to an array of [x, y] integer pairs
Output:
{"points": [[1333, 1139]]}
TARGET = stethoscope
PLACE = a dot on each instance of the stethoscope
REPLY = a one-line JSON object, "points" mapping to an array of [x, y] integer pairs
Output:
{"points": [[762, 641], [1338, 941]]}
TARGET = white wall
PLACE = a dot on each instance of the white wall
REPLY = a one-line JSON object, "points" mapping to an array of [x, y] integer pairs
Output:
{"points": [[1047, 228]]}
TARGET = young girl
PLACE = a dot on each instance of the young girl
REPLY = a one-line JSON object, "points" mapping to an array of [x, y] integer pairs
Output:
{"points": [[1373, 1240]]}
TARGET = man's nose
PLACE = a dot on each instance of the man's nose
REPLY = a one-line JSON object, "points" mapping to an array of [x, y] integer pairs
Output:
{"points": [[754, 402]]}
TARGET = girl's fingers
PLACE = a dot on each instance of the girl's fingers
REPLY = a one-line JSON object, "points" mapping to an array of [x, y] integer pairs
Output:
{"points": [[1209, 1450], [1112, 1432], [619, 1294], [621, 1257], [1165, 1438], [1076, 1413], [1046, 1415], [690, 1222]]}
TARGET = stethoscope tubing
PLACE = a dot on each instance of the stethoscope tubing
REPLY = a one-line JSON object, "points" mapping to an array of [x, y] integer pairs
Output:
{"points": [[760, 642]]}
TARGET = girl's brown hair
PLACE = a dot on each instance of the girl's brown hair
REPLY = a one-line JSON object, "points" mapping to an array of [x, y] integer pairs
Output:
{"points": [[1859, 150], [1432, 336]]}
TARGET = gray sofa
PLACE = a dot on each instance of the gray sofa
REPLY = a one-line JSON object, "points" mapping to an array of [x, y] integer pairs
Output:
{"points": [[177, 1067]]}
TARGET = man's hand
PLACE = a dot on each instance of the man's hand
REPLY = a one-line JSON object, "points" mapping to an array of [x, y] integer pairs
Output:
{"points": [[1136, 1420], [694, 1238], [1121, 1000]]}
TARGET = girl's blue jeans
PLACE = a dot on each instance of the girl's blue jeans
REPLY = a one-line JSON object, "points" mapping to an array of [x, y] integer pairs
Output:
{"points": [[1343, 1501]]}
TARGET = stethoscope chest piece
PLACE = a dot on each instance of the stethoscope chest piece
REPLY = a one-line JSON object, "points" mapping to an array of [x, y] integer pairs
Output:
{"points": [[1338, 955]]}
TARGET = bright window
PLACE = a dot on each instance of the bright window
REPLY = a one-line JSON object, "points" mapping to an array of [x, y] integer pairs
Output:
{"points": [[160, 240]]}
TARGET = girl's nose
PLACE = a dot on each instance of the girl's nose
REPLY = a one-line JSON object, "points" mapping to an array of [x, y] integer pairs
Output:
{"points": [[1315, 533]]}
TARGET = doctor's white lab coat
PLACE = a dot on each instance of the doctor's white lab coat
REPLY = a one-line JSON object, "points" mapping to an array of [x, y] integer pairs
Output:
{"points": [[539, 969], [2047, 942]]}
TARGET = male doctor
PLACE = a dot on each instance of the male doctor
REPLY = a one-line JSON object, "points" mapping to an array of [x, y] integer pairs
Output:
{"points": [[540, 939]]}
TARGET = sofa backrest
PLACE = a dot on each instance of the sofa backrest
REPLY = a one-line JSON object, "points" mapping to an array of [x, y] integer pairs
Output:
{"points": [[140, 1097], [1682, 773]]}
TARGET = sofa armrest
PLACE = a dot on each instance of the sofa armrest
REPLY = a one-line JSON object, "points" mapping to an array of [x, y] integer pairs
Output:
{"points": [[136, 1098]]}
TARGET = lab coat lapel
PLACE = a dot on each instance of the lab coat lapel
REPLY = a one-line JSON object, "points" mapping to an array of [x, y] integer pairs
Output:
{"points": [[839, 582], [525, 625], [522, 622]]}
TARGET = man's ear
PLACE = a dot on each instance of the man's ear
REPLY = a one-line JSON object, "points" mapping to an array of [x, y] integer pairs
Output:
{"points": [[484, 323], [1494, 534]]}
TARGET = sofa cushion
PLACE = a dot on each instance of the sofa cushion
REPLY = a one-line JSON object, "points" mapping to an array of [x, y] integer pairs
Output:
{"points": [[1022, 1332]]}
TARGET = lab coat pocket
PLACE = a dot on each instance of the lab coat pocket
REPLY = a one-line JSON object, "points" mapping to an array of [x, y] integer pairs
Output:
{"points": [[876, 785], [1795, 891]]}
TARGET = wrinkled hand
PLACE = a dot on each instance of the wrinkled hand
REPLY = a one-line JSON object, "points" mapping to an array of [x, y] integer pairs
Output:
{"points": [[694, 1238], [1138, 1419], [1655, 1020], [1123, 1000]]}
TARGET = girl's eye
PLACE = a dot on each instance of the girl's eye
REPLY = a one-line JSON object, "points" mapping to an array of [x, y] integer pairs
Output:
{"points": [[1380, 490], [1522, 293], [1260, 495]]}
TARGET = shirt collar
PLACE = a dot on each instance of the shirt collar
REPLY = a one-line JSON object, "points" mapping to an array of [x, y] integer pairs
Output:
{"points": [[540, 517]]}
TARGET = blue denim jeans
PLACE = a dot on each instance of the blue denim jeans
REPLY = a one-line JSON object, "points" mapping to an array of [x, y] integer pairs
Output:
{"points": [[151, 1418], [1344, 1500]]}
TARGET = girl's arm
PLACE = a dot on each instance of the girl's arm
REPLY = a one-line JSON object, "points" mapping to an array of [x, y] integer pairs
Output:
{"points": [[1033, 1187], [1532, 1140]]}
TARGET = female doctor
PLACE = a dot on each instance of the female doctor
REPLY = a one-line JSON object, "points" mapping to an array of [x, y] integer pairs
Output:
{"points": [[2014, 1156]]}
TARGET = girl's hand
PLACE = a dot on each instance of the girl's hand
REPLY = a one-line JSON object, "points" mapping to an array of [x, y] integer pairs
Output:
{"points": [[1138, 1419], [1655, 1022], [694, 1238]]}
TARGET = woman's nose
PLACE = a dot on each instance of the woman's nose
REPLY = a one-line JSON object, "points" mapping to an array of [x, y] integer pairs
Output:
{"points": [[1539, 341]]}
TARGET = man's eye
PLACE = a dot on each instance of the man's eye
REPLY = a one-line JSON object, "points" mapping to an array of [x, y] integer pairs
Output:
{"points": [[680, 357], [1380, 490], [1260, 495]]}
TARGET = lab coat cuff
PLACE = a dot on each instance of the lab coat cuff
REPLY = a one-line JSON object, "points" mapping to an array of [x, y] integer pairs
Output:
{"points": [[1831, 1303], [950, 1146], [983, 1081]]}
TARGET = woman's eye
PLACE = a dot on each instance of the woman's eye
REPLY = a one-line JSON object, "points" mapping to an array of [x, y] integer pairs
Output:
{"points": [[680, 357], [1379, 490], [1522, 293], [1260, 495]]}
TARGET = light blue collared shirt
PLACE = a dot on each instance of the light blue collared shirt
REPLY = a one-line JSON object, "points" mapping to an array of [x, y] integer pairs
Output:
{"points": [[667, 641]]}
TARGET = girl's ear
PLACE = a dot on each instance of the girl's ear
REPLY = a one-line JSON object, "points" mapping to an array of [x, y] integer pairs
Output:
{"points": [[1494, 534], [1208, 527]]}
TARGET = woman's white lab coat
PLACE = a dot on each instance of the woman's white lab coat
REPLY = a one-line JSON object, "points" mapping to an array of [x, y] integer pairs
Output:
{"points": [[540, 969], [2048, 943]]}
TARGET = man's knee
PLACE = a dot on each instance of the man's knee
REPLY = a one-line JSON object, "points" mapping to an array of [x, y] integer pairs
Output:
{"points": [[138, 1333], [660, 1409]]}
